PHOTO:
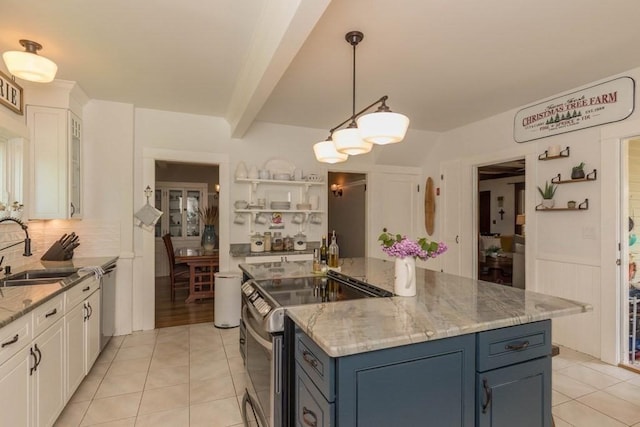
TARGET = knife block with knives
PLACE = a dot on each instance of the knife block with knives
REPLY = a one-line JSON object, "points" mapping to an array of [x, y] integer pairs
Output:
{"points": [[62, 249]]}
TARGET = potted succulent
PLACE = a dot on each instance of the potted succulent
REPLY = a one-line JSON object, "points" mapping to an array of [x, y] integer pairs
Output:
{"points": [[493, 251], [4, 212], [577, 172], [547, 194], [571, 204]]}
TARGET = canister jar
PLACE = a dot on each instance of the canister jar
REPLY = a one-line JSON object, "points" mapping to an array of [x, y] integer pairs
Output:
{"points": [[288, 243], [257, 243], [267, 241], [300, 242], [277, 243]]}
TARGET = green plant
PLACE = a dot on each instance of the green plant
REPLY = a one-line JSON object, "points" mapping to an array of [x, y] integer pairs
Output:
{"points": [[492, 249], [579, 167], [549, 190]]}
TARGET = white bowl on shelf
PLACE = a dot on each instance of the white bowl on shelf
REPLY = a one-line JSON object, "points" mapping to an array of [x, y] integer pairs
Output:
{"points": [[281, 176]]}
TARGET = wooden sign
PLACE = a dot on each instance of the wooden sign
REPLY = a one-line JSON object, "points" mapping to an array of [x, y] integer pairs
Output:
{"points": [[607, 102], [10, 94], [429, 207]]}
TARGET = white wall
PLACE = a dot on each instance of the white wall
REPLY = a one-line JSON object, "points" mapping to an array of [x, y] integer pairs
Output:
{"points": [[563, 248]]}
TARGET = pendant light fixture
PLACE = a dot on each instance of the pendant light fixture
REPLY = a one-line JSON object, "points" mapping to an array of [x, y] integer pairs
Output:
{"points": [[28, 65], [380, 127]]}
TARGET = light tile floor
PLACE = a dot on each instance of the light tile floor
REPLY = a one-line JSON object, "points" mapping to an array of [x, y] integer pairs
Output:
{"points": [[193, 376]]}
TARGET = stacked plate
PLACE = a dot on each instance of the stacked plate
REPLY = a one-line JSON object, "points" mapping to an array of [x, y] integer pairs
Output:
{"points": [[281, 206]]}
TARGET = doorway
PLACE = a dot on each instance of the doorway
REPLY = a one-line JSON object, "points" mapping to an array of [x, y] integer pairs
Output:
{"points": [[181, 191], [501, 207], [630, 282], [347, 212]]}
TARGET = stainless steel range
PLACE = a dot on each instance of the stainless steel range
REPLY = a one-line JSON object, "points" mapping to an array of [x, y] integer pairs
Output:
{"points": [[262, 333]]}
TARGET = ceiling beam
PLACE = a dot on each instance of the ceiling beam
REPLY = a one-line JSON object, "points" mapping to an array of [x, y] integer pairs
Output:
{"points": [[280, 33]]}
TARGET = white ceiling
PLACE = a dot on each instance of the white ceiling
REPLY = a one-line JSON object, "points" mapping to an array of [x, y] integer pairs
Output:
{"points": [[444, 63]]}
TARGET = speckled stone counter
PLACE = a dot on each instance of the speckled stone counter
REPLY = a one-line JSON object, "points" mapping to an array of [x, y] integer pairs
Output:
{"points": [[444, 306], [278, 270], [243, 250], [16, 301]]}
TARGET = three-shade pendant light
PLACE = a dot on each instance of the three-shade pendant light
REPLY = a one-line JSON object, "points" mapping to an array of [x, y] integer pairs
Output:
{"points": [[364, 130]]}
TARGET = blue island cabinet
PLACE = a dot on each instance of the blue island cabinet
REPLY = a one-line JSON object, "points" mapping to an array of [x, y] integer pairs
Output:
{"points": [[415, 385], [494, 378]]}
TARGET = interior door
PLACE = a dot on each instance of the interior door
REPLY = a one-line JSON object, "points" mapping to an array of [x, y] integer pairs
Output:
{"points": [[450, 216], [394, 205]]}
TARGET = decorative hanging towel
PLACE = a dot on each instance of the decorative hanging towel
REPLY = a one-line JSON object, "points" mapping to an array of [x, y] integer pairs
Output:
{"points": [[147, 216]]}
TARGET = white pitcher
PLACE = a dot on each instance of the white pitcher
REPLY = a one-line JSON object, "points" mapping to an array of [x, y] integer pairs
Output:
{"points": [[405, 277]]}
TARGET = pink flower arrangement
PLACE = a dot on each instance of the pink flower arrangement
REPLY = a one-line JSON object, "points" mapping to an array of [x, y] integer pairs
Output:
{"points": [[400, 246]]}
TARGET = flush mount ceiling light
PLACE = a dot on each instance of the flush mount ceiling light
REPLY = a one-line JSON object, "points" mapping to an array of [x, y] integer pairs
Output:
{"points": [[379, 127], [28, 65]]}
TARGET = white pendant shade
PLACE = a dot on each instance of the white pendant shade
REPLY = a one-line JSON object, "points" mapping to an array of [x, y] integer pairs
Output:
{"points": [[29, 66], [349, 141], [326, 152], [383, 127]]}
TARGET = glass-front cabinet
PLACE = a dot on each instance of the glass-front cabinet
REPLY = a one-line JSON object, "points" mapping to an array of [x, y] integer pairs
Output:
{"points": [[179, 203]]}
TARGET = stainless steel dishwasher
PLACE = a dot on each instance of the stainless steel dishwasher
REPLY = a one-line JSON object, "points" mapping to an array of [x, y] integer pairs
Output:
{"points": [[107, 304]]}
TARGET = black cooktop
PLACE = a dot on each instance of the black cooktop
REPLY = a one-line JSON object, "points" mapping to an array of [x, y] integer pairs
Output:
{"points": [[310, 290]]}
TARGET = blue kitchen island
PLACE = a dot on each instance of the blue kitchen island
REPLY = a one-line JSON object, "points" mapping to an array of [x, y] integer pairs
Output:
{"points": [[461, 352]]}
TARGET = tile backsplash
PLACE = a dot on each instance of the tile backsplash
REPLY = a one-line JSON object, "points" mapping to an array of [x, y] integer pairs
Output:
{"points": [[97, 238]]}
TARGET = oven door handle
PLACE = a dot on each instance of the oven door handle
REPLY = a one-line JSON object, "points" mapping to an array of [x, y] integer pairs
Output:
{"points": [[264, 343]]}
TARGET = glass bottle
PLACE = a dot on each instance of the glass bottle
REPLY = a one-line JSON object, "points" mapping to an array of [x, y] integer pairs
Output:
{"points": [[334, 252], [316, 260], [323, 250]]}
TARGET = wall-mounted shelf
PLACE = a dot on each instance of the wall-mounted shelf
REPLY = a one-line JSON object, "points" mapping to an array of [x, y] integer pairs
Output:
{"points": [[546, 156], [293, 211], [591, 176], [581, 207]]}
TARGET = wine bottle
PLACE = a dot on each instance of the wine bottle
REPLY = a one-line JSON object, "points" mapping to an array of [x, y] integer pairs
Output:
{"points": [[334, 252], [323, 250]]}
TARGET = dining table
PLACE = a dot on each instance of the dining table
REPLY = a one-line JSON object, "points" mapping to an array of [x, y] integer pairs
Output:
{"points": [[202, 268]]}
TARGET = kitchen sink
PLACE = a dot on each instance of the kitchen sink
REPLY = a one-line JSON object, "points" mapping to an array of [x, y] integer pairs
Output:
{"points": [[37, 277]]}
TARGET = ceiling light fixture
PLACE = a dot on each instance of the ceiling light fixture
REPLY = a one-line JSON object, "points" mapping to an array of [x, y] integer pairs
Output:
{"points": [[380, 127], [28, 65]]}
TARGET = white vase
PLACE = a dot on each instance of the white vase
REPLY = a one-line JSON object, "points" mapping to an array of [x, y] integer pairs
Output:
{"points": [[405, 277], [548, 203]]}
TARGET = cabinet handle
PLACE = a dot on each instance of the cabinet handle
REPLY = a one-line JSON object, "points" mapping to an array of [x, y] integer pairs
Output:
{"points": [[309, 417], [51, 313], [86, 289], [242, 340], [39, 359], [73, 209], [90, 310], [486, 400], [86, 313], [308, 357], [517, 347], [35, 361], [11, 341]]}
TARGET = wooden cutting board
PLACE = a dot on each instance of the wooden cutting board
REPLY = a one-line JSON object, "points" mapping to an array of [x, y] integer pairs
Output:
{"points": [[429, 206]]}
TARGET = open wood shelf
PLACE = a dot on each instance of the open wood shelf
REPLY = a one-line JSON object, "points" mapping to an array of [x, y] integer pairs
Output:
{"points": [[580, 207], [591, 176], [546, 156]]}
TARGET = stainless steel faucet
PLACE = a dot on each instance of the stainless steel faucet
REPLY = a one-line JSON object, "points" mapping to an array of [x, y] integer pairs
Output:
{"points": [[27, 240]]}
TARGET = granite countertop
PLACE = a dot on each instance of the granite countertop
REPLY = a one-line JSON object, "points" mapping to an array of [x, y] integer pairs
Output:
{"points": [[278, 270], [16, 301], [444, 306], [240, 250]]}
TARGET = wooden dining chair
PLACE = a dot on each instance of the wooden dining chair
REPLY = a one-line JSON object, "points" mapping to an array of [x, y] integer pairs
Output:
{"points": [[179, 273]]}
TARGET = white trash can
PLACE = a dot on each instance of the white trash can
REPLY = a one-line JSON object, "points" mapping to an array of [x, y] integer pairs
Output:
{"points": [[226, 304]]}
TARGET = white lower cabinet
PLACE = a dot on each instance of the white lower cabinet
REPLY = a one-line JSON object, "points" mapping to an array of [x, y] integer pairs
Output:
{"points": [[32, 381], [45, 355], [82, 329], [48, 376]]}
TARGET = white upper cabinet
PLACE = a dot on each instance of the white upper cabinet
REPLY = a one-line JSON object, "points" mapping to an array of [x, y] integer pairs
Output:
{"points": [[56, 154]]}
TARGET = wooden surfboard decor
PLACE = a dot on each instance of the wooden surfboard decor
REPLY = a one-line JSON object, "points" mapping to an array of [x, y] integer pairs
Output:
{"points": [[429, 206]]}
